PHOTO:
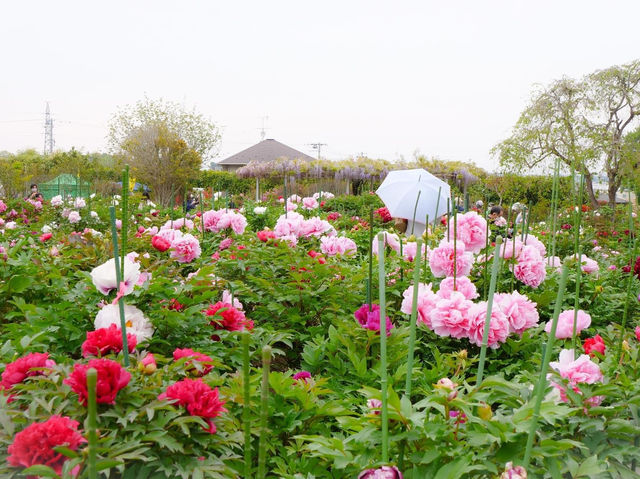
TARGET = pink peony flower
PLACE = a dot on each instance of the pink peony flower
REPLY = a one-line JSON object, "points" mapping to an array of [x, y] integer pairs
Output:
{"points": [[531, 240], [375, 406], [185, 249], [463, 285], [427, 300], [390, 239], [74, 217], [178, 223], [594, 344], [410, 250], [588, 265], [507, 249], [564, 329], [226, 298], [371, 319], [225, 243], [451, 316], [337, 245], [498, 325], [106, 340], [148, 364], [471, 229], [288, 225], [32, 364], [530, 268], [316, 227], [441, 260], [301, 376], [520, 311], [203, 360], [513, 472], [309, 203], [576, 371], [384, 472]]}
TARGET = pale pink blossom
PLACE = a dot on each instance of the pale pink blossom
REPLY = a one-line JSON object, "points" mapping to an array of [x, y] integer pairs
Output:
{"points": [[450, 317], [530, 268], [316, 227], [471, 229], [226, 298], [498, 325], [564, 329], [74, 217], [577, 371], [294, 198], [291, 206], [390, 239], [531, 240], [427, 300], [337, 245], [104, 276], [463, 285], [520, 311], [507, 249], [325, 195], [57, 200], [309, 203], [410, 249], [375, 406], [185, 249], [441, 260], [500, 222], [179, 223], [288, 225]]}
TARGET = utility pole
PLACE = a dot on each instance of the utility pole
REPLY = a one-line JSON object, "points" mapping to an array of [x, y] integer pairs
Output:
{"points": [[48, 132], [317, 146], [263, 130]]}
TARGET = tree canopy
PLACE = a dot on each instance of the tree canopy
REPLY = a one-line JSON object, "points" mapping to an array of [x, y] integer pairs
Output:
{"points": [[582, 124]]}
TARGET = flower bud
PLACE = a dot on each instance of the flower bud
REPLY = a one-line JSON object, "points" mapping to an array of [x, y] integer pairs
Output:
{"points": [[485, 412], [148, 364], [514, 472]]}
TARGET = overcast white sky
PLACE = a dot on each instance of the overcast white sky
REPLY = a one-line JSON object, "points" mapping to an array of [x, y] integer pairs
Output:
{"points": [[384, 78]]}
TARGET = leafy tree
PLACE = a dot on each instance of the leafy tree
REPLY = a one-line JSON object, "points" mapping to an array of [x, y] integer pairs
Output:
{"points": [[162, 160], [580, 123], [164, 143]]}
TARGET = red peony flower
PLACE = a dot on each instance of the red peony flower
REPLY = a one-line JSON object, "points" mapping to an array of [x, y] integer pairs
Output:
{"points": [[160, 243], [206, 361], [24, 367], [198, 398], [106, 340], [265, 235], [45, 236], [34, 444], [314, 254], [174, 305], [227, 317], [112, 377], [333, 216], [384, 214], [594, 344]]}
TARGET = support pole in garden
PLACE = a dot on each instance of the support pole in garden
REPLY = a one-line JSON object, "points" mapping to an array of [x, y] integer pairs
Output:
{"points": [[383, 348], [201, 217], [415, 208], [455, 246], [576, 302], [246, 411], [264, 413], [538, 392], [116, 258], [426, 248], [92, 378], [487, 322], [125, 214], [370, 281], [414, 311], [632, 249]]}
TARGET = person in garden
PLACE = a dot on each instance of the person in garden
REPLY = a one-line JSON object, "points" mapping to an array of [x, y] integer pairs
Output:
{"points": [[35, 195], [192, 202], [494, 213]]}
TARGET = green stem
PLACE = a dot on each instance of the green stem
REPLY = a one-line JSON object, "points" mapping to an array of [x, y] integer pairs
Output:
{"points": [[246, 411], [455, 246], [542, 382], [116, 258], [426, 248], [264, 413], [92, 378], [415, 208], [383, 349], [414, 310], [487, 323], [448, 215], [555, 211], [486, 250], [201, 217]]}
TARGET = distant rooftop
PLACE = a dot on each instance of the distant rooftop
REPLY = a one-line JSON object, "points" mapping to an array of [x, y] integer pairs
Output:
{"points": [[266, 150]]}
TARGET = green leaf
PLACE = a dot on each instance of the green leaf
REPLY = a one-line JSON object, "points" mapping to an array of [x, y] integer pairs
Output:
{"points": [[19, 283], [41, 470]]}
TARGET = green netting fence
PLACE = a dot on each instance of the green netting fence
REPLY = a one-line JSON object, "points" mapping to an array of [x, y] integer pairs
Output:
{"points": [[65, 185]]}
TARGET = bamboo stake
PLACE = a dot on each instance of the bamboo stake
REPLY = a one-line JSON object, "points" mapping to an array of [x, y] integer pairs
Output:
{"points": [[383, 349], [576, 302], [116, 257], [542, 382], [246, 411], [125, 213], [92, 378], [264, 412], [487, 323], [370, 280], [632, 247]]}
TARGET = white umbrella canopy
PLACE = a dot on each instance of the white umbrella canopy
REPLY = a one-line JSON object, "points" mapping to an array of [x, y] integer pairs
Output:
{"points": [[400, 189]]}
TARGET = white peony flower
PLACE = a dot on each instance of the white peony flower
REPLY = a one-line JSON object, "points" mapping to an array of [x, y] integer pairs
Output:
{"points": [[104, 276], [260, 210], [134, 318], [11, 225], [79, 202], [74, 217], [57, 200], [94, 214], [46, 229]]}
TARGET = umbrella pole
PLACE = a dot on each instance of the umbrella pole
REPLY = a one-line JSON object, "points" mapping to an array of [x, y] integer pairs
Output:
{"points": [[448, 215], [435, 218]]}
